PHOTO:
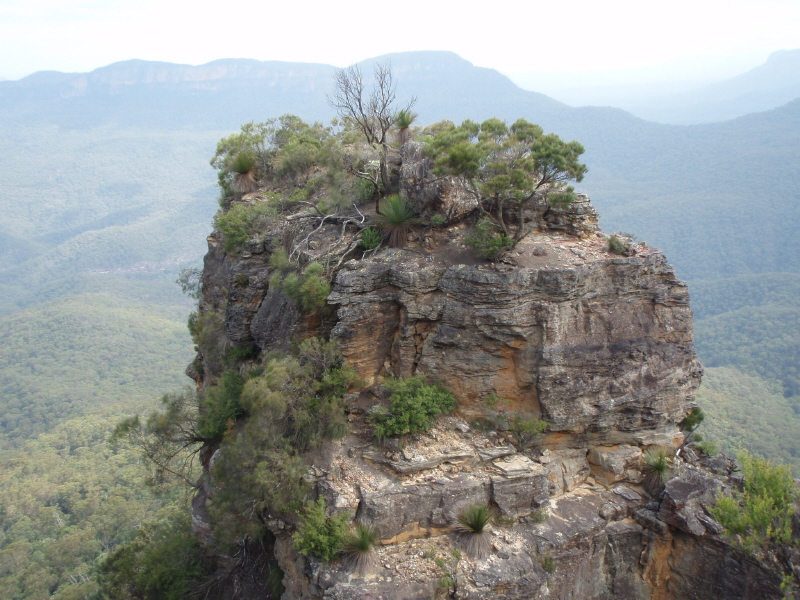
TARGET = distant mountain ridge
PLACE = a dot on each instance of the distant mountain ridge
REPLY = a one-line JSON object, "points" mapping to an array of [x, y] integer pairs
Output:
{"points": [[763, 88], [668, 184]]}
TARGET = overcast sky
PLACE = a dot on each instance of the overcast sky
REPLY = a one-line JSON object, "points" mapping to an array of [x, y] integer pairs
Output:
{"points": [[526, 36]]}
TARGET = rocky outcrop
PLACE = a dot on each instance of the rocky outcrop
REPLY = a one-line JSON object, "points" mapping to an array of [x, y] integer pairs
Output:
{"points": [[597, 345]]}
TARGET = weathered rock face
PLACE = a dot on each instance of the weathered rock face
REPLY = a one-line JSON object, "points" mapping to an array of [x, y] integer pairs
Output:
{"points": [[598, 347]]}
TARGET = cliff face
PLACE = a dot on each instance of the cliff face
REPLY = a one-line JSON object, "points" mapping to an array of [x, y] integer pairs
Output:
{"points": [[597, 345]]}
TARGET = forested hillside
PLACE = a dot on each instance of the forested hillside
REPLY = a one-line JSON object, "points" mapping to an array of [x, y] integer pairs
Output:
{"points": [[108, 193]]}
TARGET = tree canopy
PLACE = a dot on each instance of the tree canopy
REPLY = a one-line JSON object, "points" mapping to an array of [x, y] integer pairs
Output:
{"points": [[509, 169]]}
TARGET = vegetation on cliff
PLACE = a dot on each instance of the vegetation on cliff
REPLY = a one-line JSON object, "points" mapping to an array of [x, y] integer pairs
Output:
{"points": [[760, 514]]}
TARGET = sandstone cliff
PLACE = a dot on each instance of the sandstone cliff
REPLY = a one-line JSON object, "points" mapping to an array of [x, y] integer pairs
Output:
{"points": [[596, 344]]}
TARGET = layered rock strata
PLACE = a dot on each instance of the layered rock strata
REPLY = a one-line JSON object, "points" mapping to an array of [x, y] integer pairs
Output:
{"points": [[597, 345]]}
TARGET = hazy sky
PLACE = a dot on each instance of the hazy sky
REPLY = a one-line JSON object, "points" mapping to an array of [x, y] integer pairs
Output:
{"points": [[514, 37]]}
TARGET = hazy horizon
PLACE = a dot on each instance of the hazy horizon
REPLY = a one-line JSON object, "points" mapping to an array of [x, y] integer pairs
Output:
{"points": [[573, 46]]}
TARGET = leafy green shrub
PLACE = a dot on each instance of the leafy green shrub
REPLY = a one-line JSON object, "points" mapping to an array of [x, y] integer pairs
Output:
{"points": [[616, 245], [396, 220], [526, 430], [438, 220], [321, 535], [414, 404], [279, 261], [163, 562], [370, 238], [487, 241], [657, 468], [241, 222], [310, 289], [221, 405], [707, 447], [762, 512], [293, 404], [358, 548], [472, 523], [364, 190]]}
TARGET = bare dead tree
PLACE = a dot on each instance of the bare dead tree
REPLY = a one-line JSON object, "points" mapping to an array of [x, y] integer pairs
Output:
{"points": [[374, 115]]}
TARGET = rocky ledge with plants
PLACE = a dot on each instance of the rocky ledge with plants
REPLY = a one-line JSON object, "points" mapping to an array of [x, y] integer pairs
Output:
{"points": [[424, 372]]}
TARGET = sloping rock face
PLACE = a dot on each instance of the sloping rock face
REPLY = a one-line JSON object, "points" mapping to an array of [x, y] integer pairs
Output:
{"points": [[599, 348]]}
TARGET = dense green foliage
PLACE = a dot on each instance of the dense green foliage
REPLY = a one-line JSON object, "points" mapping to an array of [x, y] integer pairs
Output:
{"points": [[163, 562], [293, 406], [507, 168], [69, 498], [370, 238], [321, 535], [487, 240], [413, 406], [241, 222], [745, 412], [87, 353], [309, 289], [761, 513], [221, 405]]}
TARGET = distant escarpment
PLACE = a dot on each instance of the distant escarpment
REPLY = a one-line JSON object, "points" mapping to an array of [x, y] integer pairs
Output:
{"points": [[570, 364]]}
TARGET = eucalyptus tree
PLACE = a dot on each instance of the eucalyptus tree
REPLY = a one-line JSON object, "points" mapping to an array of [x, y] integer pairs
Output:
{"points": [[508, 169]]}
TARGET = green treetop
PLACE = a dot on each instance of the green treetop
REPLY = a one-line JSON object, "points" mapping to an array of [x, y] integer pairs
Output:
{"points": [[509, 169]]}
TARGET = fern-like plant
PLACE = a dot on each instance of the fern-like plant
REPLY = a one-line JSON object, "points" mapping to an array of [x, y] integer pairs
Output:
{"points": [[396, 220], [472, 530]]}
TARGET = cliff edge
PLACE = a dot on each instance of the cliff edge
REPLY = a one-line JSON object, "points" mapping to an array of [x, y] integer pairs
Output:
{"points": [[559, 330]]}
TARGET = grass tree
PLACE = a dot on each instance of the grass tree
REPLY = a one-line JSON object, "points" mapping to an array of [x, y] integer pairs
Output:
{"points": [[396, 220], [359, 548], [472, 530], [657, 468]]}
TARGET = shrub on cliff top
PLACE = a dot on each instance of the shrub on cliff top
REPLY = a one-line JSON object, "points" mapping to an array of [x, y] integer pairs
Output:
{"points": [[414, 404], [762, 512], [241, 222], [487, 240], [319, 534]]}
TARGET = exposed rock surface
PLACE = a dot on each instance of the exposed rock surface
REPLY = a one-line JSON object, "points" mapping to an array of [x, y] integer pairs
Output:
{"points": [[600, 346], [597, 345]]}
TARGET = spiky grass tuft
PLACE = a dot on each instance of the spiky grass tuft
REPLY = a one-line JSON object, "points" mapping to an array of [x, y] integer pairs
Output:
{"points": [[359, 548], [396, 220], [472, 530], [244, 166], [657, 468]]}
